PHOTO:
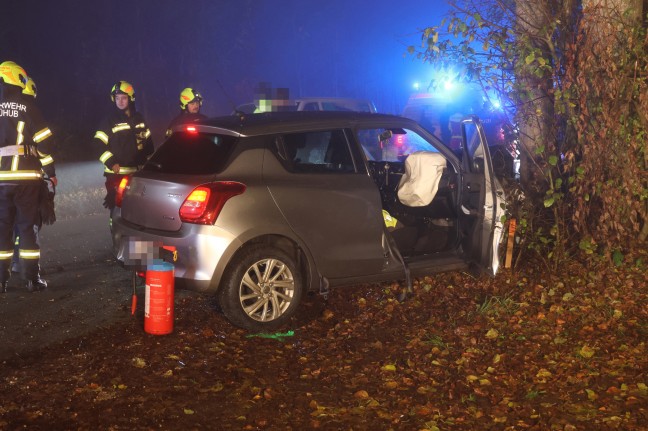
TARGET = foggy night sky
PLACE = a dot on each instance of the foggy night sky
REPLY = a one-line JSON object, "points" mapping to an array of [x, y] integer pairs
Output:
{"points": [[75, 50]]}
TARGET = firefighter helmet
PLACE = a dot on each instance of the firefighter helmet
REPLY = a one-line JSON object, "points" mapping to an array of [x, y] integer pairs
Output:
{"points": [[123, 87], [30, 88], [189, 95], [12, 74]]}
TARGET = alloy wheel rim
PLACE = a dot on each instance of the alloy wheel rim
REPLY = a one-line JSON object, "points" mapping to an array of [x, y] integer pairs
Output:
{"points": [[266, 290]]}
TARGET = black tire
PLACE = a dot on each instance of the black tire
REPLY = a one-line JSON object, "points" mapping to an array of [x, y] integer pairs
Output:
{"points": [[261, 289]]}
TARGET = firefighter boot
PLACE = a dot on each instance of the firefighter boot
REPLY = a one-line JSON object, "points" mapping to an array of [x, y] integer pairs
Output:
{"points": [[31, 273], [4, 277], [35, 285]]}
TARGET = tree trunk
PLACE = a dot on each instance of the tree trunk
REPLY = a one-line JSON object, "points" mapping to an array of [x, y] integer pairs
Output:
{"points": [[536, 111]]}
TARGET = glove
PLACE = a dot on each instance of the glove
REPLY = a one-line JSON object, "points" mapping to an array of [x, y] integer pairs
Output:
{"points": [[46, 201]]}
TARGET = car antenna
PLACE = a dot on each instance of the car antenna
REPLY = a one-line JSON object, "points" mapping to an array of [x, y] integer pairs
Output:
{"points": [[240, 114]]}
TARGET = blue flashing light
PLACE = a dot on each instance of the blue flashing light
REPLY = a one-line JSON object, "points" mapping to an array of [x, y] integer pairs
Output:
{"points": [[416, 86], [447, 85]]}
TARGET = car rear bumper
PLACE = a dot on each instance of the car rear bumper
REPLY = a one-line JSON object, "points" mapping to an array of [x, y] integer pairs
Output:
{"points": [[194, 250]]}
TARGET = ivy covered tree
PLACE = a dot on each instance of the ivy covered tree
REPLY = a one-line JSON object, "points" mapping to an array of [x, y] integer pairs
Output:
{"points": [[572, 76]]}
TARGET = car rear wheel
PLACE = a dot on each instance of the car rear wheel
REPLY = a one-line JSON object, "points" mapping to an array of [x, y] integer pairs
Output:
{"points": [[262, 289]]}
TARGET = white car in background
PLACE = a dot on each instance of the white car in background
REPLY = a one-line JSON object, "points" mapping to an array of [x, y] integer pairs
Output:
{"points": [[318, 104], [334, 104]]}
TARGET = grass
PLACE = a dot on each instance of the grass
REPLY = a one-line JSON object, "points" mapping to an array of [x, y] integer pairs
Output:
{"points": [[496, 305]]}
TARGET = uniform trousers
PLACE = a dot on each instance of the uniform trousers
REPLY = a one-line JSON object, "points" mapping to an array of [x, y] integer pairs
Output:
{"points": [[19, 207]]}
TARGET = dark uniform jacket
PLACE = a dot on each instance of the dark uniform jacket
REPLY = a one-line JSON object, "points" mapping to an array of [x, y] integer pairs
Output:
{"points": [[25, 139], [183, 118], [125, 140]]}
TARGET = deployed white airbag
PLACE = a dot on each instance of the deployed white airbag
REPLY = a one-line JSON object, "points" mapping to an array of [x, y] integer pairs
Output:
{"points": [[420, 181]]}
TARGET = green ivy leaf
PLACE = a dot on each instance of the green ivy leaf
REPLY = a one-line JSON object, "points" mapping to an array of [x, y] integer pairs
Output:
{"points": [[549, 202], [553, 160], [617, 258]]}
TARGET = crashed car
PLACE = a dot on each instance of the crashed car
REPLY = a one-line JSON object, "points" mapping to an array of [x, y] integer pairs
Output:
{"points": [[259, 210]]}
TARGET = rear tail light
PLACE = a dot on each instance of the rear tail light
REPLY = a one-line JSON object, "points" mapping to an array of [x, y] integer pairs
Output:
{"points": [[205, 202], [123, 185]]}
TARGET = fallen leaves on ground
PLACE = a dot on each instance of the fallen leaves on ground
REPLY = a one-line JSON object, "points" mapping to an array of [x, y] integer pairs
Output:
{"points": [[518, 351]]}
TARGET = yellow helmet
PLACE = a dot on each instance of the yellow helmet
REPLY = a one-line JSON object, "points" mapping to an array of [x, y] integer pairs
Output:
{"points": [[123, 87], [30, 88], [12, 74], [189, 95]]}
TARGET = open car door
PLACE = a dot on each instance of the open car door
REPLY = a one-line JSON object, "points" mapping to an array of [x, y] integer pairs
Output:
{"points": [[481, 199]]}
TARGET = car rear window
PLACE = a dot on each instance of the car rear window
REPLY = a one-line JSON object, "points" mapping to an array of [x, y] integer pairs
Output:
{"points": [[192, 154]]}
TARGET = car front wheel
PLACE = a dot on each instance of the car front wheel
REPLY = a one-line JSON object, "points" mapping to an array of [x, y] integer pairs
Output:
{"points": [[262, 289]]}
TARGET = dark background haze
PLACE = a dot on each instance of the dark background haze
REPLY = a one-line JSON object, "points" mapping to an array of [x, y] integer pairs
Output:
{"points": [[75, 50]]}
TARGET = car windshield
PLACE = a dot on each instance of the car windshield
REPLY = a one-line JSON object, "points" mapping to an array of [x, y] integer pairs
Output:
{"points": [[191, 153], [392, 145]]}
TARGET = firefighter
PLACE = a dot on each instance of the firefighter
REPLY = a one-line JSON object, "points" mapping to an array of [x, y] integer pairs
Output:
{"points": [[30, 90], [190, 104], [25, 143], [125, 139]]}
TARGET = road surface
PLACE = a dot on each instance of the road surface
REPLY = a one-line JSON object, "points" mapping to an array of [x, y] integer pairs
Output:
{"points": [[87, 288]]}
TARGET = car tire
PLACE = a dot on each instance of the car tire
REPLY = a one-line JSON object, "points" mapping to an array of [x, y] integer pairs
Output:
{"points": [[261, 289]]}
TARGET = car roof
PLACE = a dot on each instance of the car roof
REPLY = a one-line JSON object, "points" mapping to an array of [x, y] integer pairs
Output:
{"points": [[330, 99], [294, 121]]}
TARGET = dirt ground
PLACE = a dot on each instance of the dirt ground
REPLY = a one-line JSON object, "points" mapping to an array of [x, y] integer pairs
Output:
{"points": [[76, 302], [87, 289], [515, 352]]}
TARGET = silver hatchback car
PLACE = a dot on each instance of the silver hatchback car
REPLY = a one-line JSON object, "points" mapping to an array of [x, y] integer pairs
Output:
{"points": [[260, 209]]}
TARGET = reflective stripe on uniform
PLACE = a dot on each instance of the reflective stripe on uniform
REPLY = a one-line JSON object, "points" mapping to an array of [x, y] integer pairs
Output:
{"points": [[41, 135], [121, 126], [20, 175], [123, 170], [105, 156], [6, 255], [101, 136], [14, 150], [29, 254], [47, 160], [19, 132]]}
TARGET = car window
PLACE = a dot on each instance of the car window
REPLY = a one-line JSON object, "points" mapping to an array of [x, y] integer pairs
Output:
{"points": [[191, 153], [392, 145], [317, 152], [475, 150], [311, 106]]}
